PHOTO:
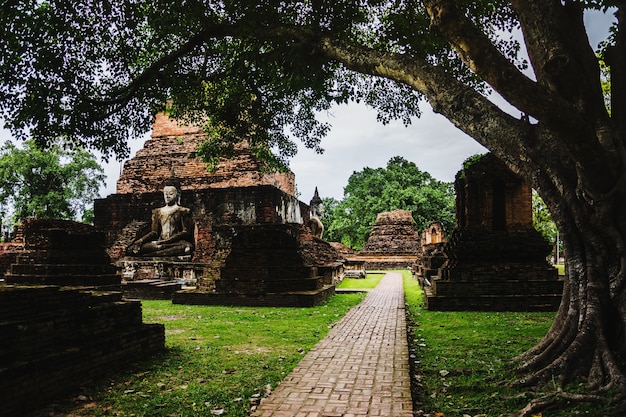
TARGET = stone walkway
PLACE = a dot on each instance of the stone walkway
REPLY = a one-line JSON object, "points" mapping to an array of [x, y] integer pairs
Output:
{"points": [[361, 368]]}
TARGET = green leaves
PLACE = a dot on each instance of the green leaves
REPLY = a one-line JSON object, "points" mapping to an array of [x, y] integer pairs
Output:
{"points": [[97, 72], [542, 220], [401, 185], [55, 183]]}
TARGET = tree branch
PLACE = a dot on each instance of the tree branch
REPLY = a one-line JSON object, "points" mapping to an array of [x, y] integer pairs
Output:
{"points": [[564, 62], [124, 94], [483, 58], [558, 100], [616, 59], [471, 112]]}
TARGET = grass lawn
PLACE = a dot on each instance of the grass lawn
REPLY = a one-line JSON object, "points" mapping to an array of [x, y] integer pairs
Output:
{"points": [[223, 360], [463, 359], [219, 360], [369, 282]]}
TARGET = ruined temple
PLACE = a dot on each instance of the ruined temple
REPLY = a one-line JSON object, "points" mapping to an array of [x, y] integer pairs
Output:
{"points": [[393, 242], [494, 258], [174, 145], [430, 256], [63, 320], [249, 234]]}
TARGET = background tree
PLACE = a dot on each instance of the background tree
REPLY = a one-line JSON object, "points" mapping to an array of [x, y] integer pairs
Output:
{"points": [[96, 72], [51, 184], [542, 221], [400, 185]]}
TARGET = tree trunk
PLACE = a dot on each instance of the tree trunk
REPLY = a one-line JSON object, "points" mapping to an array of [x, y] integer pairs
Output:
{"points": [[587, 340]]}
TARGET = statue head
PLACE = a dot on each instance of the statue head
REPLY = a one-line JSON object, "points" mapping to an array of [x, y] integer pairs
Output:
{"points": [[171, 191], [317, 208]]}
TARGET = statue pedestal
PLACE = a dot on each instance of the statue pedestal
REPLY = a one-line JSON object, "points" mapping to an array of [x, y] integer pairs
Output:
{"points": [[158, 278]]}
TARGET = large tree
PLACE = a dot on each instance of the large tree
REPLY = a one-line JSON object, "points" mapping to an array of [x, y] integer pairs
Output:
{"points": [[51, 184], [96, 71], [399, 185]]}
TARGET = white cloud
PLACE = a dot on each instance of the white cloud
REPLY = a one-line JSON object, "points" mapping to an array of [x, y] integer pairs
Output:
{"points": [[357, 140]]}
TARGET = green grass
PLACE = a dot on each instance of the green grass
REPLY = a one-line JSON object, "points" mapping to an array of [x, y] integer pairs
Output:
{"points": [[370, 281], [226, 358], [218, 358], [464, 358]]}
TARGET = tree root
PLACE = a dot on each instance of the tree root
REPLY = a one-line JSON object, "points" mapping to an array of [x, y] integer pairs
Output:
{"points": [[559, 398], [574, 357]]}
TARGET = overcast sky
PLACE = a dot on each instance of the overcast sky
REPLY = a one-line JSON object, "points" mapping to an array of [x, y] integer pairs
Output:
{"points": [[357, 140]]}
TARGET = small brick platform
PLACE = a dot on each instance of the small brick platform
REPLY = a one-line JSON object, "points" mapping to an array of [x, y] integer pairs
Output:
{"points": [[53, 340], [361, 368]]}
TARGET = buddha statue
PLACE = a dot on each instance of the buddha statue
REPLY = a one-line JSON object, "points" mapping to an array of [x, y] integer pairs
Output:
{"points": [[171, 232], [317, 209]]}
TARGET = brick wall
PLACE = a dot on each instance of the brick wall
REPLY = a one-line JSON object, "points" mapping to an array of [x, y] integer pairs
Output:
{"points": [[491, 196], [53, 340], [216, 212], [173, 146]]}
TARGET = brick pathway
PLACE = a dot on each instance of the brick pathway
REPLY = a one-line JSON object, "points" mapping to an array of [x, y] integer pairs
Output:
{"points": [[361, 368]]}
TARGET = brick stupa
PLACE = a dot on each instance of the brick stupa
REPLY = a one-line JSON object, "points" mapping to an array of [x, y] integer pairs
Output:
{"points": [[174, 145], [495, 259], [249, 239], [393, 242]]}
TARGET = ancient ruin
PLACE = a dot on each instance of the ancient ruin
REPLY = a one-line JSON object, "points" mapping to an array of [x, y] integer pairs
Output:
{"points": [[174, 145], [430, 256], [353, 265], [250, 239], [61, 252], [495, 259], [63, 321], [393, 242]]}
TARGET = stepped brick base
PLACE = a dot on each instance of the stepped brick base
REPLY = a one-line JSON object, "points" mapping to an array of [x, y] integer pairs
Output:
{"points": [[65, 253], [386, 261], [501, 295], [495, 271], [283, 299], [150, 289], [54, 340]]}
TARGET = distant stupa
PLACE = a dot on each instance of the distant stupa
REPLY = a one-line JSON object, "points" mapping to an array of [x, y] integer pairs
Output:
{"points": [[393, 242]]}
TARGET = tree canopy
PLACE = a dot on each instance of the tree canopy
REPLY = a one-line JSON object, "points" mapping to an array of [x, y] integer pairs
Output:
{"points": [[400, 185], [52, 183], [96, 72]]}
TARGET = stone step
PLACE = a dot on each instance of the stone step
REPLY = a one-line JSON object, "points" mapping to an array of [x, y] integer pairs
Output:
{"points": [[287, 285], [62, 269], [493, 287], [84, 255], [287, 299], [150, 289], [547, 302], [64, 280], [276, 272]]}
